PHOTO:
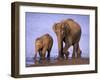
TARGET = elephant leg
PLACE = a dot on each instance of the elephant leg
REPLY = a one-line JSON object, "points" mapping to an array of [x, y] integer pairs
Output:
{"points": [[78, 51], [40, 54], [65, 51], [48, 55], [61, 54], [43, 53], [74, 50]]}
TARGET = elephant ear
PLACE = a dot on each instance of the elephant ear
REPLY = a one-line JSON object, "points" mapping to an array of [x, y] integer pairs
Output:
{"points": [[66, 28]]}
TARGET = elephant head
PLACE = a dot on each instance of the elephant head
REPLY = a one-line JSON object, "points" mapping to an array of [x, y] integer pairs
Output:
{"points": [[61, 30]]}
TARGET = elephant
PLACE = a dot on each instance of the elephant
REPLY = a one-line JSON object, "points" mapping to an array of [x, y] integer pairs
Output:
{"points": [[43, 44], [68, 34]]}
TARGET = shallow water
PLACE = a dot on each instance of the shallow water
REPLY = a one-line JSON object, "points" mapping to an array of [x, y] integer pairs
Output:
{"points": [[54, 61], [31, 61]]}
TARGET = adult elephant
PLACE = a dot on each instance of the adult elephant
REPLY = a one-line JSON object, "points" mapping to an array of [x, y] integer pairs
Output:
{"points": [[69, 32]]}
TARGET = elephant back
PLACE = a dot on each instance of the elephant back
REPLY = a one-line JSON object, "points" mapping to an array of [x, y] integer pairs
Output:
{"points": [[72, 24], [74, 30], [44, 40]]}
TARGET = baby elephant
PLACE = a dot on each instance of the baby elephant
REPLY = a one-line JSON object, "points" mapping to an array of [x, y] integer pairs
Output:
{"points": [[43, 44]]}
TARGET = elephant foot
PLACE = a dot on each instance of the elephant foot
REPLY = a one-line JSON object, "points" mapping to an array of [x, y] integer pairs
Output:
{"points": [[79, 54], [66, 55], [35, 59], [73, 56], [60, 57], [42, 60], [35, 56]]}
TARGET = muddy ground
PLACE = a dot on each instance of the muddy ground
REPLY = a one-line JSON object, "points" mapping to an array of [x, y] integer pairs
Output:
{"points": [[57, 62]]}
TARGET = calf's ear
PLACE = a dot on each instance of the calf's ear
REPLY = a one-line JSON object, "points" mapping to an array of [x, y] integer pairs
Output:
{"points": [[54, 27]]}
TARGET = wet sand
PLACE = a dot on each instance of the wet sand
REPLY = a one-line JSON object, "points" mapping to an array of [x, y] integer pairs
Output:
{"points": [[56, 62]]}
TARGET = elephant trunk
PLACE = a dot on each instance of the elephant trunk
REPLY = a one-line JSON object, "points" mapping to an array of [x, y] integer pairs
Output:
{"points": [[60, 46]]}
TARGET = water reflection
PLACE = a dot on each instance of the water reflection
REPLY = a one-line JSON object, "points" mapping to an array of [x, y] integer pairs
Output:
{"points": [[54, 61], [31, 61]]}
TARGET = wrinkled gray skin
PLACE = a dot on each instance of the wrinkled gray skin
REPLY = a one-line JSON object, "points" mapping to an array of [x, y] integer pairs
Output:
{"points": [[43, 44], [68, 32]]}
